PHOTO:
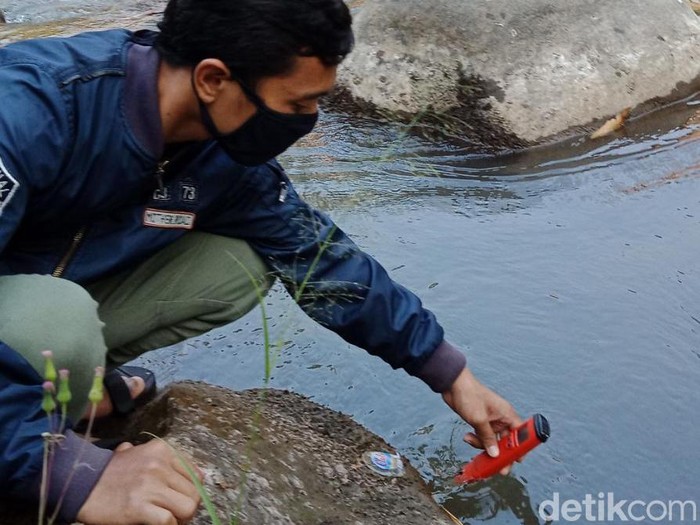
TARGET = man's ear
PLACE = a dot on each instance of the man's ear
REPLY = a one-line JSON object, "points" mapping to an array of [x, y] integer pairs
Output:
{"points": [[208, 78]]}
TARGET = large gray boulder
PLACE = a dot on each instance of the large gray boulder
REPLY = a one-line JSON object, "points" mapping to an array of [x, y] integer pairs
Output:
{"points": [[518, 72]]}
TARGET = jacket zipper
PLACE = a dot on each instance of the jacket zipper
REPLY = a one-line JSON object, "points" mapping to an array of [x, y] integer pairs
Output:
{"points": [[284, 190], [283, 186], [80, 234], [77, 239], [160, 171]]}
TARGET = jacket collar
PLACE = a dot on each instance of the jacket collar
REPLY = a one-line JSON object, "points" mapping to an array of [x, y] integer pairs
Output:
{"points": [[141, 104]]}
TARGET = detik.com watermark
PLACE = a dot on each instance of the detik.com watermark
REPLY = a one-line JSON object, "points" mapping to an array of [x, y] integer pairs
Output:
{"points": [[605, 508]]}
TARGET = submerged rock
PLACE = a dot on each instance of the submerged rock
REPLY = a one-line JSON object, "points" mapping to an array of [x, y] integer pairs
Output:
{"points": [[277, 458], [511, 73]]}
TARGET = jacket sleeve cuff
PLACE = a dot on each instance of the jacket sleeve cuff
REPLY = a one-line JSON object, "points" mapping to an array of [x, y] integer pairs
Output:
{"points": [[442, 368], [89, 461]]}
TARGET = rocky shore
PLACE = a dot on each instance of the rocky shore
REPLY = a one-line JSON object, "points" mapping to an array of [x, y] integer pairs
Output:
{"points": [[273, 457]]}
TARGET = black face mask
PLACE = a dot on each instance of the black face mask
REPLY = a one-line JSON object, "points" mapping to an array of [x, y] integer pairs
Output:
{"points": [[263, 136]]}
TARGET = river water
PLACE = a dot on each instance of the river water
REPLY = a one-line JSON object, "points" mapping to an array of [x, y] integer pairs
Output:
{"points": [[569, 277]]}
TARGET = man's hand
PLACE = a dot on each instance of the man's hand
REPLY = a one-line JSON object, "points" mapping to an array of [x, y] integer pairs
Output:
{"points": [[483, 409], [143, 485]]}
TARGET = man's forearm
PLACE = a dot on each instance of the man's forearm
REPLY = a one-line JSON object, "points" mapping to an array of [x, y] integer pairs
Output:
{"points": [[22, 425]]}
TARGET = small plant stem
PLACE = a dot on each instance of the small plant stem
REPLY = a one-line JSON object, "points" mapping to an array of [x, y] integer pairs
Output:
{"points": [[64, 416], [86, 440], [269, 355], [44, 479], [321, 249]]}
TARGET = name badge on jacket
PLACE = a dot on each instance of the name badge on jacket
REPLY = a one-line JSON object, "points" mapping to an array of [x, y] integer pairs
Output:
{"points": [[182, 220]]}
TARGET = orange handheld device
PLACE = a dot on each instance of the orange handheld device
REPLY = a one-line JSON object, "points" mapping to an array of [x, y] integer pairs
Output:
{"points": [[513, 446]]}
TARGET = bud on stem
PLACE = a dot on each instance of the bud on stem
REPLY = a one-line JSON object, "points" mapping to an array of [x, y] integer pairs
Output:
{"points": [[97, 392]]}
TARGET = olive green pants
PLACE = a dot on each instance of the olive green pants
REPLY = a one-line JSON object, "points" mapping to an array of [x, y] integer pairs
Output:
{"points": [[190, 287]]}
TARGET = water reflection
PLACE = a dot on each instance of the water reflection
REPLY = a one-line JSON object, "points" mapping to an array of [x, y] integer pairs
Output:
{"points": [[362, 144], [502, 497], [356, 163], [505, 497]]}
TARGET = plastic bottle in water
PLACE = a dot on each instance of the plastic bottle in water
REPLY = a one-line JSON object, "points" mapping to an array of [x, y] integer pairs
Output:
{"points": [[384, 463]]}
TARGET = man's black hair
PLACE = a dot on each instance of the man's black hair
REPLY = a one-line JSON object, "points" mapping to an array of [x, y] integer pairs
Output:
{"points": [[255, 38]]}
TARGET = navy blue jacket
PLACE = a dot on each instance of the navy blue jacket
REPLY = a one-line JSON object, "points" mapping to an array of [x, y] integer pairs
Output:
{"points": [[80, 151]]}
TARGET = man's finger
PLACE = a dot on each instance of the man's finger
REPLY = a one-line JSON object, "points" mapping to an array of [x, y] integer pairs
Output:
{"points": [[178, 465], [123, 446], [184, 486], [487, 437], [180, 506], [153, 515], [199, 471], [512, 419], [473, 440]]}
